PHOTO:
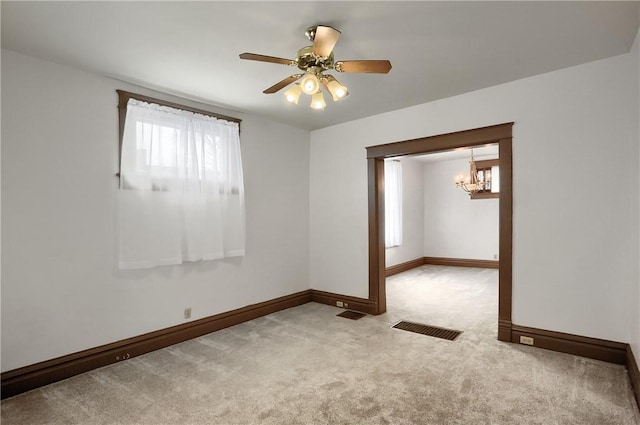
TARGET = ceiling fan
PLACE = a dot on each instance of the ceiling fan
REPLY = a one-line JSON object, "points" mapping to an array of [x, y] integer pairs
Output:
{"points": [[314, 61]]}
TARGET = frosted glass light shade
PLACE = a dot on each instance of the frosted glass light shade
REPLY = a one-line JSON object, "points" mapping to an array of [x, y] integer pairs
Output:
{"points": [[337, 90], [310, 84], [293, 94], [317, 101]]}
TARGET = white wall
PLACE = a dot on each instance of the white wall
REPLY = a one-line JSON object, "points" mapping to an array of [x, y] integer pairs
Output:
{"points": [[575, 192], [454, 225], [61, 290], [635, 325], [412, 215]]}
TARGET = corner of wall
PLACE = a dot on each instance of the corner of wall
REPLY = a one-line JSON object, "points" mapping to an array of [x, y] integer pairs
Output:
{"points": [[635, 331], [636, 56]]}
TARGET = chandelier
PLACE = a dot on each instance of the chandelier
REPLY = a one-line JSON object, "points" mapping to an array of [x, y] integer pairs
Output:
{"points": [[470, 183]]}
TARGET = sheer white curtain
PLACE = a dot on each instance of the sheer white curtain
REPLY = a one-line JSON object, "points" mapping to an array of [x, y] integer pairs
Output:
{"points": [[181, 194], [392, 203]]}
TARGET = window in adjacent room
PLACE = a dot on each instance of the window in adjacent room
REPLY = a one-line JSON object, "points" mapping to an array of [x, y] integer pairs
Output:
{"points": [[489, 172], [393, 203], [181, 194]]}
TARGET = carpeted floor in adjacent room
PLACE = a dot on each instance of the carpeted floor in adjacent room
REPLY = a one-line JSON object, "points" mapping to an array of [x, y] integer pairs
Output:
{"points": [[307, 366]]}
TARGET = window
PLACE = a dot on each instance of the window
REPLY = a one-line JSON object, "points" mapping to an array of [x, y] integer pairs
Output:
{"points": [[393, 203], [488, 172], [181, 194]]}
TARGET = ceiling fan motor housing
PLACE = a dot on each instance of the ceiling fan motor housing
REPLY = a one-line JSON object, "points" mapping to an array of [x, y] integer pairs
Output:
{"points": [[307, 60]]}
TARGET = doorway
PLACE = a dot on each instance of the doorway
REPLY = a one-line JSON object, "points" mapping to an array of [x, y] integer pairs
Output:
{"points": [[498, 134]]}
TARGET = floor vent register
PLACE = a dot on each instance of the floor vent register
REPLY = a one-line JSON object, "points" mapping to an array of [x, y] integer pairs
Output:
{"points": [[353, 315], [433, 331]]}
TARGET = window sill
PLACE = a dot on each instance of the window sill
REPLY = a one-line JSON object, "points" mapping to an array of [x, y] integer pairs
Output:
{"points": [[482, 195]]}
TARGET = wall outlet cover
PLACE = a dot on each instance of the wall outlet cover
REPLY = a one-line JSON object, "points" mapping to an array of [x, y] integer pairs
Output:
{"points": [[526, 340]]}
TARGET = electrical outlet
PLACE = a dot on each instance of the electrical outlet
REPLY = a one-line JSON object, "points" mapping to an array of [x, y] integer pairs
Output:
{"points": [[339, 304], [346, 305], [526, 340], [187, 313]]}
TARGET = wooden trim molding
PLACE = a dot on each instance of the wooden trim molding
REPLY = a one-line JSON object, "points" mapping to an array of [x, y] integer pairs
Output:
{"points": [[634, 373], [593, 348], [20, 380], [487, 163], [29, 377], [403, 267], [484, 195], [504, 330], [441, 261], [505, 273], [462, 262], [500, 134], [353, 303], [377, 259], [442, 142]]}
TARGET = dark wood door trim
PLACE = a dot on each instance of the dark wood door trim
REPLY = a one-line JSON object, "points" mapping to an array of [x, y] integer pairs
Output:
{"points": [[442, 142], [505, 273], [377, 271], [500, 134]]}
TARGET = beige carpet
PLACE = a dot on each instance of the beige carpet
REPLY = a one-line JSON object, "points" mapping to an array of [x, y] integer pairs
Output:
{"points": [[307, 366]]}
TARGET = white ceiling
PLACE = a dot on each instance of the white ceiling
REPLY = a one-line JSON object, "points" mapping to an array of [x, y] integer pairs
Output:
{"points": [[437, 49]]}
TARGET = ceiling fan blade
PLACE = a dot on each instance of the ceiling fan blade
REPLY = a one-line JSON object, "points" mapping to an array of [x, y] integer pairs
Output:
{"points": [[264, 58], [375, 66], [282, 84], [324, 41]]}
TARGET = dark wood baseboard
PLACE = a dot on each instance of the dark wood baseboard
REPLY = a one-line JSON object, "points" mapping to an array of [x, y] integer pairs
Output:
{"points": [[403, 267], [504, 330], [29, 377], [441, 261], [462, 262], [593, 348], [20, 380], [634, 374], [358, 304]]}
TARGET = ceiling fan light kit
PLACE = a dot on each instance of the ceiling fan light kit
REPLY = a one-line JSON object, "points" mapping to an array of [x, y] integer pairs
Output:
{"points": [[337, 90], [310, 84], [317, 101], [293, 94], [314, 61]]}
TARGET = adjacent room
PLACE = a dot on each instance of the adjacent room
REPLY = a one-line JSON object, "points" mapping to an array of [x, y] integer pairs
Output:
{"points": [[437, 227], [199, 223]]}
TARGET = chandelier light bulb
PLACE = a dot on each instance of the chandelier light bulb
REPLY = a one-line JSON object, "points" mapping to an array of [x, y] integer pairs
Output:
{"points": [[310, 84]]}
